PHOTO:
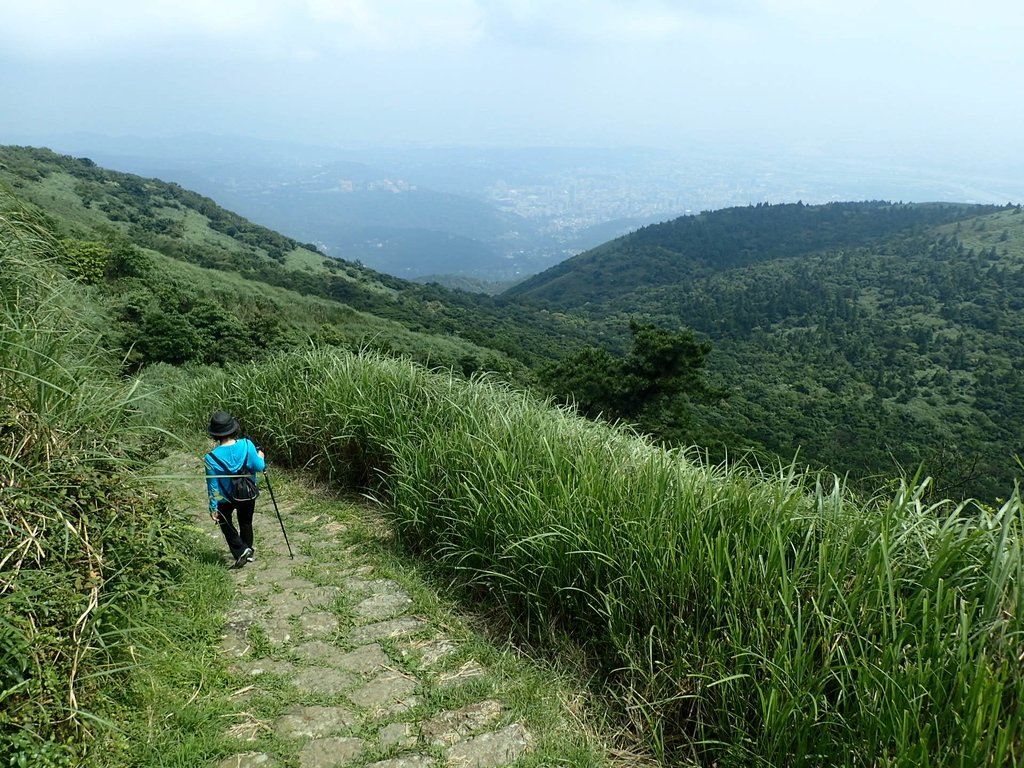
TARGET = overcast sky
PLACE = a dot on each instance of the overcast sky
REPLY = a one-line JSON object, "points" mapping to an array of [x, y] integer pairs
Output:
{"points": [[934, 79]]}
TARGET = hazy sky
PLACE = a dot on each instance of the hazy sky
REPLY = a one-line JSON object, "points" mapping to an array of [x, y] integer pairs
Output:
{"points": [[934, 79]]}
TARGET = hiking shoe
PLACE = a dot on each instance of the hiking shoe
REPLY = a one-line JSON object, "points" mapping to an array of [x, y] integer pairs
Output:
{"points": [[251, 556], [243, 558]]}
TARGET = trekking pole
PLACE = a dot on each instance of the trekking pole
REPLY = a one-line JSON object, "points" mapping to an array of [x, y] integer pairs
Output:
{"points": [[271, 489]]}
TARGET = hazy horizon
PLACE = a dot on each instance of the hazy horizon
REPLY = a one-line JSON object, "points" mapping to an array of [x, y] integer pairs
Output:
{"points": [[926, 84]]}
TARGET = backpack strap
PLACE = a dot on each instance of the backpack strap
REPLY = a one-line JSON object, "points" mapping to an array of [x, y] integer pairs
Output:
{"points": [[241, 470], [219, 462]]}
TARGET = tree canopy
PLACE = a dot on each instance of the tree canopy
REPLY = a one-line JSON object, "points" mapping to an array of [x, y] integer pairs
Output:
{"points": [[652, 387]]}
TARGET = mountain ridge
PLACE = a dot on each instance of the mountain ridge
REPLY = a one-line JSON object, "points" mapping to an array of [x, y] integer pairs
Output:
{"points": [[884, 350], [699, 245], [885, 341]]}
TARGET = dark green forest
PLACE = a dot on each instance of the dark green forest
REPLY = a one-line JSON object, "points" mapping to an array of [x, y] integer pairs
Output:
{"points": [[872, 339]]}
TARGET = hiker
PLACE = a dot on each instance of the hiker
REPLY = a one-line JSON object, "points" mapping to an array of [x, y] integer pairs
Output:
{"points": [[231, 468]]}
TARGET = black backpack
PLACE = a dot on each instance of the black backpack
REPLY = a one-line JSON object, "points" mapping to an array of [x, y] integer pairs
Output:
{"points": [[243, 487]]}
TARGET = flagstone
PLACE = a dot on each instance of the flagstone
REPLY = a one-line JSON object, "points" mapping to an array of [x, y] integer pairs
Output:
{"points": [[490, 750], [330, 752], [403, 625], [314, 721]]}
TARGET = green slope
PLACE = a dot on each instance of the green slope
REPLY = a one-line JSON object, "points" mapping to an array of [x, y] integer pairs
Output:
{"points": [[866, 337], [871, 338], [343, 302]]}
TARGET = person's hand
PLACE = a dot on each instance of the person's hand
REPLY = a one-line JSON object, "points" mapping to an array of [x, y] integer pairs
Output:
{"points": [[260, 454], [215, 516]]}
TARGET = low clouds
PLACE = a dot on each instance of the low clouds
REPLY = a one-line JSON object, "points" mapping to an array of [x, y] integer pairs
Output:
{"points": [[70, 30], [938, 74], [396, 25], [73, 29], [120, 28]]}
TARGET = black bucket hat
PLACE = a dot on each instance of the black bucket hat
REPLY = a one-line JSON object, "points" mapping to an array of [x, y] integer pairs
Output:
{"points": [[222, 424]]}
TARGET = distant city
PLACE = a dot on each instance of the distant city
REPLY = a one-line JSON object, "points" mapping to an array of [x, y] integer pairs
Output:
{"points": [[501, 214]]}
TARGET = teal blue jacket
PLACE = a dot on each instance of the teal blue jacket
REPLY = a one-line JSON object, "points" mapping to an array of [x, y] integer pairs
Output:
{"points": [[234, 455]]}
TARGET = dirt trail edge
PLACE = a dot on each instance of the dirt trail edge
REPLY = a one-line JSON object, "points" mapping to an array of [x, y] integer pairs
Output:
{"points": [[343, 658]]}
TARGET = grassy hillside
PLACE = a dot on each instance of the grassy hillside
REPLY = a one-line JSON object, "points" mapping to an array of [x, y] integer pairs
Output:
{"points": [[86, 544], [164, 227], [871, 338], [734, 617]]}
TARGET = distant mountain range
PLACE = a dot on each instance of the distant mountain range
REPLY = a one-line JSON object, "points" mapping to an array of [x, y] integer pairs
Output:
{"points": [[864, 337], [495, 215]]}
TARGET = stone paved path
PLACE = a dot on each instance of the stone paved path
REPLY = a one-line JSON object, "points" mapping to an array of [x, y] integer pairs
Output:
{"points": [[333, 665]]}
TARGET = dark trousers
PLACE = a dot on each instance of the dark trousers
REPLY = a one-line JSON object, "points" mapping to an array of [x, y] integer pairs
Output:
{"points": [[241, 538]]}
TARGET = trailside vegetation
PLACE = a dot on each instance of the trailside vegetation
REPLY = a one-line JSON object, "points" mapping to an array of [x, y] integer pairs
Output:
{"points": [[738, 617], [653, 387], [84, 542]]}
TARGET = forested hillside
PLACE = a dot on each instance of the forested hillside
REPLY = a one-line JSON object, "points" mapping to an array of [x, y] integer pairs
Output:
{"points": [[690, 247], [868, 337]]}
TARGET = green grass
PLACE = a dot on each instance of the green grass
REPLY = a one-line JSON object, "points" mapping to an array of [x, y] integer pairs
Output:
{"points": [[174, 707], [303, 259], [1000, 230], [179, 709], [84, 541], [737, 616]]}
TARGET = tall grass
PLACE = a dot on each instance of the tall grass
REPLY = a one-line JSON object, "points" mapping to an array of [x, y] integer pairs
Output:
{"points": [[741, 617], [80, 542]]}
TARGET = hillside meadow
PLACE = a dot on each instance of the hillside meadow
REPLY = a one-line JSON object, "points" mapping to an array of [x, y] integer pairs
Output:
{"points": [[115, 212]]}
